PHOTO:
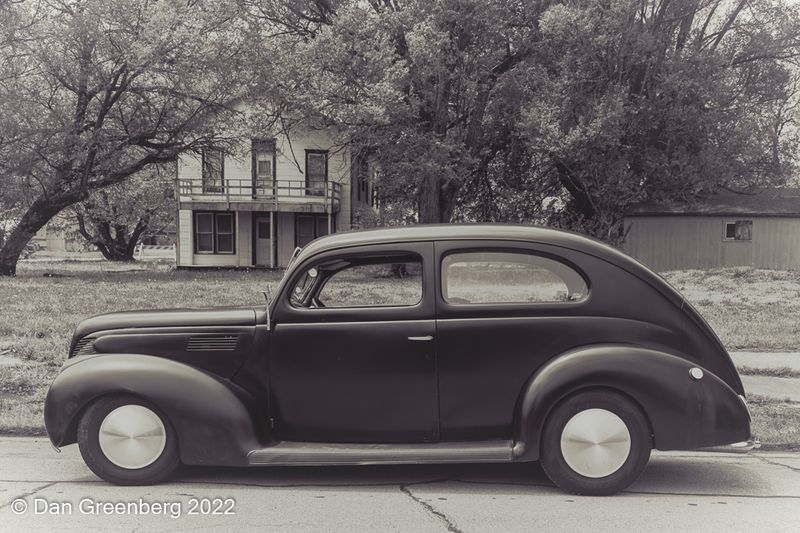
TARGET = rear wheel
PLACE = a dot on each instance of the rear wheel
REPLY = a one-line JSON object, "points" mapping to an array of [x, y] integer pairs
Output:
{"points": [[595, 443], [127, 441]]}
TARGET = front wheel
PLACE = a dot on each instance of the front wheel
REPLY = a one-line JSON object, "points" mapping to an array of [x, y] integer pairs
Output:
{"points": [[595, 443], [127, 441]]}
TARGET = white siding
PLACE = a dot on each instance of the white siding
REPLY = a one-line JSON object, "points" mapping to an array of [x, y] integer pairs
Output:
{"points": [[289, 166], [185, 237], [244, 245], [215, 260], [285, 229]]}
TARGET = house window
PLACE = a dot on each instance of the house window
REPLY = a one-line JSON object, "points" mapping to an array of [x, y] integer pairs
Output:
{"points": [[263, 165], [214, 233], [361, 177], [316, 172], [309, 227], [739, 230], [213, 162]]}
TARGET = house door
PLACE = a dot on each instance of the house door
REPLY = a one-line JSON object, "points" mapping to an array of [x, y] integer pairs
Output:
{"points": [[263, 241]]}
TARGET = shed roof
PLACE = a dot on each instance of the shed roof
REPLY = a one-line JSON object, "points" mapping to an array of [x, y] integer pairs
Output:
{"points": [[771, 202]]}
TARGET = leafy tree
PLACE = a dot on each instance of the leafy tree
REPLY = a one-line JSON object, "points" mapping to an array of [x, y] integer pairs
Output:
{"points": [[635, 100], [564, 112], [429, 87], [115, 218], [94, 92]]}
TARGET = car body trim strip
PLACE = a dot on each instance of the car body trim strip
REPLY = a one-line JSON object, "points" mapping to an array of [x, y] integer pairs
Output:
{"points": [[317, 454]]}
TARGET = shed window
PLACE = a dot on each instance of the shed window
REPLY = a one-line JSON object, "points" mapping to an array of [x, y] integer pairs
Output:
{"points": [[739, 230], [214, 233], [500, 277]]}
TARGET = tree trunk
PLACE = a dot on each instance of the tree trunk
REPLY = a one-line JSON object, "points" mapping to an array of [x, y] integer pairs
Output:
{"points": [[428, 200], [582, 200], [116, 246], [38, 214], [117, 251]]}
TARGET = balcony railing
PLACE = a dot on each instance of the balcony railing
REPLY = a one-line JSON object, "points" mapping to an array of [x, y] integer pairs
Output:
{"points": [[239, 190]]}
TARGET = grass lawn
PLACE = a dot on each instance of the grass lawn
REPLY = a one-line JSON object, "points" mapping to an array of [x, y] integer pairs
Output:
{"points": [[750, 310]]}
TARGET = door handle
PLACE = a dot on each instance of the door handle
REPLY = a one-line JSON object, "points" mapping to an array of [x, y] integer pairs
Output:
{"points": [[422, 338]]}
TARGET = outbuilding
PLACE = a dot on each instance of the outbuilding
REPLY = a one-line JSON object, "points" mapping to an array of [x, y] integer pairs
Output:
{"points": [[759, 229]]}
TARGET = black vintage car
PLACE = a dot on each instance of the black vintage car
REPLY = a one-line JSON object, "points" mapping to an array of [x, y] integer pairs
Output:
{"points": [[426, 344]]}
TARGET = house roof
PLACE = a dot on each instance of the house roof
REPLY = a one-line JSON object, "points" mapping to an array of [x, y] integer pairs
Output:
{"points": [[772, 202]]}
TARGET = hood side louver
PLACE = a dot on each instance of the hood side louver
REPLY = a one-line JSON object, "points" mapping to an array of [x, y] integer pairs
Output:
{"points": [[212, 343], [84, 346]]}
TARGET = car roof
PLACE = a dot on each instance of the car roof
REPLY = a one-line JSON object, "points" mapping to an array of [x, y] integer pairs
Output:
{"points": [[490, 232], [442, 232]]}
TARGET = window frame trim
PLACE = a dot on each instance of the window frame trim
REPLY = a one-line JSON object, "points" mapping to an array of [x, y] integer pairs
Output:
{"points": [[221, 170], [419, 260], [266, 146], [215, 232], [285, 313], [316, 151], [477, 247], [315, 217], [196, 232], [733, 222]]}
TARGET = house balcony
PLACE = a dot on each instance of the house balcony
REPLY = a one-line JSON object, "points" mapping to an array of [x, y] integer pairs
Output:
{"points": [[248, 195]]}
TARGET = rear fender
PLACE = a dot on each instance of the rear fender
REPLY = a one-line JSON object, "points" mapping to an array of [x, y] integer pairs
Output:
{"points": [[213, 419], [684, 413]]}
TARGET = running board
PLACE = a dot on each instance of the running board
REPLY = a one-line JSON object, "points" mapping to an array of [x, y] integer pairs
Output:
{"points": [[318, 454]]}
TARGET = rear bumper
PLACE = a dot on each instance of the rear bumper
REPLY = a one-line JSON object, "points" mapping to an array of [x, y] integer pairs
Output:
{"points": [[736, 447]]}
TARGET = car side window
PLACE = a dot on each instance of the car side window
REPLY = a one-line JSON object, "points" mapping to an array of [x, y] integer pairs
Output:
{"points": [[488, 277], [362, 282]]}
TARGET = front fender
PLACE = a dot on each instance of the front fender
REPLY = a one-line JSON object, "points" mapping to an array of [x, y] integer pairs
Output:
{"points": [[214, 423], [684, 413]]}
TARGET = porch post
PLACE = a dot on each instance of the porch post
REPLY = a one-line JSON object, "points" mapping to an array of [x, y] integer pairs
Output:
{"points": [[272, 239], [328, 206]]}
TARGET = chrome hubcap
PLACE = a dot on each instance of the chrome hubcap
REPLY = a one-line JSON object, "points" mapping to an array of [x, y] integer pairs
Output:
{"points": [[132, 436], [595, 443]]}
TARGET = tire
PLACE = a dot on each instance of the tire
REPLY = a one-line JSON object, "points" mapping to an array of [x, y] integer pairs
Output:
{"points": [[146, 459], [595, 443]]}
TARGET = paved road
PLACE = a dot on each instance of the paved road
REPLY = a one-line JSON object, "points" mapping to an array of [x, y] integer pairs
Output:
{"points": [[678, 492]]}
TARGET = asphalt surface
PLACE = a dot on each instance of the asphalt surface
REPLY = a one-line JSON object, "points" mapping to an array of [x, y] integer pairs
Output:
{"points": [[679, 491]]}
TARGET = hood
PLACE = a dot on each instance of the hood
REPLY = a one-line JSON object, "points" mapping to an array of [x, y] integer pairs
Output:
{"points": [[221, 316]]}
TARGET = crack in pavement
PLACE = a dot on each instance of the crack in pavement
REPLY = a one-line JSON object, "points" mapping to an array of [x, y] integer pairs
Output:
{"points": [[430, 508], [29, 493], [765, 460]]}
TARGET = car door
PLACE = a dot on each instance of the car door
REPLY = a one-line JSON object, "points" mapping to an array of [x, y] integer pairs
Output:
{"points": [[352, 354], [503, 310]]}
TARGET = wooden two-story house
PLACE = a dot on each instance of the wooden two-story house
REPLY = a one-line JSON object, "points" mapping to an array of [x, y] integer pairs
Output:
{"points": [[252, 207]]}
